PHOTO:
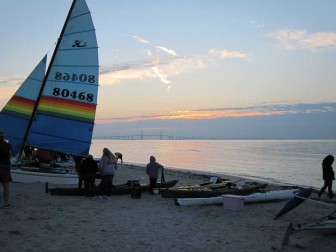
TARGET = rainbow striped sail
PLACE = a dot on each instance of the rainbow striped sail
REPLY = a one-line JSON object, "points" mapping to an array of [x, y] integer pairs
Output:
{"points": [[59, 113], [15, 116], [66, 110]]}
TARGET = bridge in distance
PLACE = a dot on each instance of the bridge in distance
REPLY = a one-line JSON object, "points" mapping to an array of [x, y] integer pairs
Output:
{"points": [[147, 137]]}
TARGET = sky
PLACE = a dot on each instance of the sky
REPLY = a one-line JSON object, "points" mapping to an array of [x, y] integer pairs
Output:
{"points": [[214, 68]]}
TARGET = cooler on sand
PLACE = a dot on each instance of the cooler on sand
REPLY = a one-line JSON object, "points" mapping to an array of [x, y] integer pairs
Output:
{"points": [[233, 202], [135, 189]]}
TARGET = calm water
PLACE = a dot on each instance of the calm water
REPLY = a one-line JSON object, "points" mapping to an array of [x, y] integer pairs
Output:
{"points": [[285, 161]]}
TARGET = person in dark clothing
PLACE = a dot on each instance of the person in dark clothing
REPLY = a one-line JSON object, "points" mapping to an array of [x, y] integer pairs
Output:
{"points": [[152, 170], [78, 161], [28, 151], [89, 168], [5, 166], [328, 176]]}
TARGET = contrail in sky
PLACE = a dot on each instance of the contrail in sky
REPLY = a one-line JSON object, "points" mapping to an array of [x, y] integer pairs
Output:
{"points": [[156, 63], [141, 40], [169, 51], [156, 60]]}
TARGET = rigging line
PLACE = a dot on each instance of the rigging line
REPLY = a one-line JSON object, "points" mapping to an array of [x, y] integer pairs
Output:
{"points": [[74, 82], [315, 201], [55, 43], [83, 14], [71, 33], [319, 219], [34, 79], [86, 120], [78, 49], [57, 137], [76, 65]]}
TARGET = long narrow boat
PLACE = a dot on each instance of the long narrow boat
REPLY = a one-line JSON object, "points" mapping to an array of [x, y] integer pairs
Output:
{"points": [[205, 192], [61, 176], [117, 190], [254, 197], [55, 109]]}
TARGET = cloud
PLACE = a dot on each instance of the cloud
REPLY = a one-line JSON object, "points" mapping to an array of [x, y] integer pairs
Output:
{"points": [[256, 24], [158, 67], [169, 51], [9, 85], [162, 76], [156, 63], [162, 66], [115, 77], [10, 81], [227, 54], [141, 40], [143, 69], [156, 60], [261, 110], [301, 39]]}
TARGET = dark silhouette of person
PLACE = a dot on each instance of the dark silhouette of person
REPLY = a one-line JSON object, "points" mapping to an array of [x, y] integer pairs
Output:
{"points": [[5, 168], [152, 170], [78, 160], [328, 176], [89, 168]]}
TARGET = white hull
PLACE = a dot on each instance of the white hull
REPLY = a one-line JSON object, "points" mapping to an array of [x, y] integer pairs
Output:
{"points": [[22, 176], [255, 197]]}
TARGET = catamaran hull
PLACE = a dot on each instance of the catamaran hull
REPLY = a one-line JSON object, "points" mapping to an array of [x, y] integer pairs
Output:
{"points": [[58, 178], [207, 193], [255, 197]]}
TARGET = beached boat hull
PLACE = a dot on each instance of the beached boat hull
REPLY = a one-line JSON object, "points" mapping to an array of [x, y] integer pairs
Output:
{"points": [[255, 197], [29, 175], [117, 190], [207, 193]]}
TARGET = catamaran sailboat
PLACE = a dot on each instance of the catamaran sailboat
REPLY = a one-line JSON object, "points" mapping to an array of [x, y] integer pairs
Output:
{"points": [[54, 109]]}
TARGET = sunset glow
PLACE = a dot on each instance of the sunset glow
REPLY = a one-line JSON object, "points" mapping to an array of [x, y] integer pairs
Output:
{"points": [[187, 61]]}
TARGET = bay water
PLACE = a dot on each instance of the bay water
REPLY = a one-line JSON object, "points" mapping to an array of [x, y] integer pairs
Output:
{"points": [[296, 162]]}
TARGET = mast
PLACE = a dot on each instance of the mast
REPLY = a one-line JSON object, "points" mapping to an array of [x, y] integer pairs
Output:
{"points": [[46, 77]]}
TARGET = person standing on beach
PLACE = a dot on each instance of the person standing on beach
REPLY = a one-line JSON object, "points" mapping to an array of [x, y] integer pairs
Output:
{"points": [[5, 174], [88, 169], [107, 168], [78, 160], [152, 170], [328, 176]]}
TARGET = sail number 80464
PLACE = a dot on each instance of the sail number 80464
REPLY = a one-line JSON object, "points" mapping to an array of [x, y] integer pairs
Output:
{"points": [[74, 94], [74, 77]]}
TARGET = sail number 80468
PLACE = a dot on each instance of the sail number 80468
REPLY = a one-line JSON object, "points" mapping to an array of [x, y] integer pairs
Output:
{"points": [[74, 94], [74, 77]]}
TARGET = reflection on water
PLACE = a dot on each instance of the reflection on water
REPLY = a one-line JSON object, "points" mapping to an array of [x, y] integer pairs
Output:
{"points": [[289, 161]]}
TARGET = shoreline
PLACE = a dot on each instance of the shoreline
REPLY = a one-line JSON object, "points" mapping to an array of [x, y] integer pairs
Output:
{"points": [[208, 174], [39, 221]]}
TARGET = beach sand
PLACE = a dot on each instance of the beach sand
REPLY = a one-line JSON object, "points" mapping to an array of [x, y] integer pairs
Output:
{"points": [[38, 221]]}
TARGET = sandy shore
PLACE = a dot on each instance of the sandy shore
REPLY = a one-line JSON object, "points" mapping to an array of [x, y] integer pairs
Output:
{"points": [[38, 221]]}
